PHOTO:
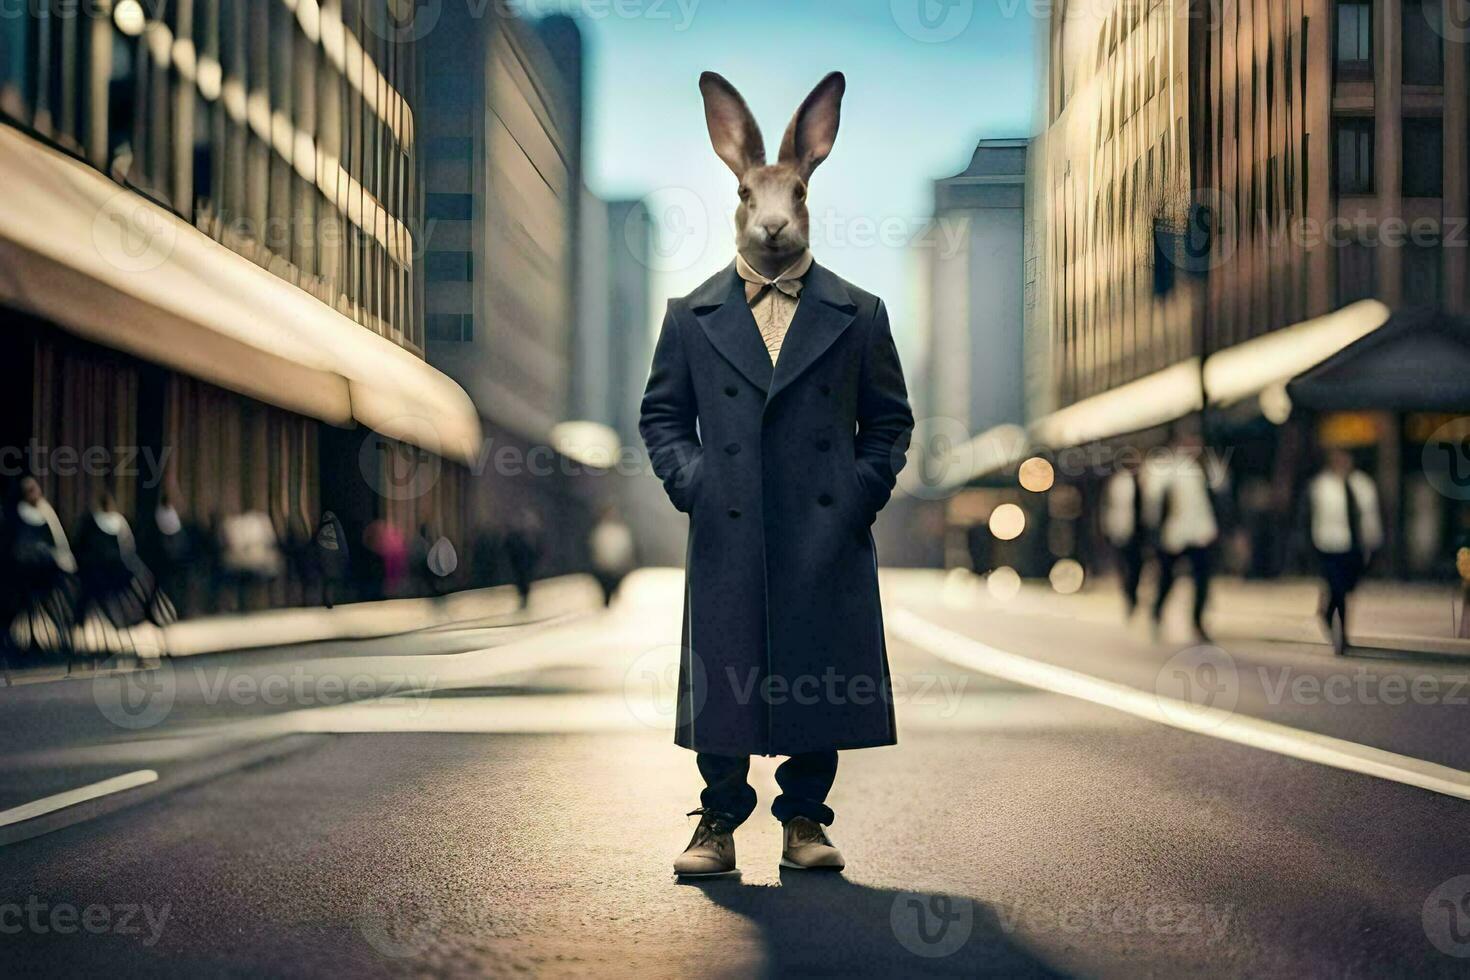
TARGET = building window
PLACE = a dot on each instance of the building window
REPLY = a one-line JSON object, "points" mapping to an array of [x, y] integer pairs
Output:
{"points": [[1421, 274], [1423, 158], [1355, 36], [1423, 61], [453, 328], [451, 207], [448, 266], [1354, 169], [1357, 272]]}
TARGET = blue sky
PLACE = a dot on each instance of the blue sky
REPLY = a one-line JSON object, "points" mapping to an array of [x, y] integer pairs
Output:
{"points": [[920, 93]]}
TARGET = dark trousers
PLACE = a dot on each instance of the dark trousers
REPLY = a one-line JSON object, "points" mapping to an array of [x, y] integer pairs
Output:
{"points": [[1130, 568], [805, 781], [1341, 573], [1199, 567]]}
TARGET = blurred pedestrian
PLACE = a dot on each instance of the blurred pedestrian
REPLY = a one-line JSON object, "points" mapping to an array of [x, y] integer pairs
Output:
{"points": [[251, 554], [168, 551], [42, 570], [389, 548], [332, 557], [1124, 527], [441, 562], [523, 552], [613, 552], [485, 559], [1346, 527], [116, 584], [1181, 505], [1462, 565]]}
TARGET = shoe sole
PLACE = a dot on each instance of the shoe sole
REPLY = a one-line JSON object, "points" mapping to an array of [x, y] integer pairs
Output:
{"points": [[788, 863], [732, 873]]}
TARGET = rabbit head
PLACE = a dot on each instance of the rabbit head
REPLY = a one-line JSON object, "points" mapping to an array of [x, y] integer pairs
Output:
{"points": [[772, 226]]}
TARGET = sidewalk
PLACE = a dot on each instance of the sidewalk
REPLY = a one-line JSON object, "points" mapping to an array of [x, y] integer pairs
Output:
{"points": [[104, 650], [1393, 618]]}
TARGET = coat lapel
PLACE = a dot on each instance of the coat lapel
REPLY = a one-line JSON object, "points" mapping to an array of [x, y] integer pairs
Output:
{"points": [[728, 323], [826, 309]]}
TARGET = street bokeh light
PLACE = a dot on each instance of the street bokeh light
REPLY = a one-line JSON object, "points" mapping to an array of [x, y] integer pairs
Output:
{"points": [[1037, 475], [1007, 522]]}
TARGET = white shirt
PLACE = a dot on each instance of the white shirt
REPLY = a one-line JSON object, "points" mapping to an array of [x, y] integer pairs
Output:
{"points": [[1331, 520], [1177, 491], [1118, 514], [612, 547]]}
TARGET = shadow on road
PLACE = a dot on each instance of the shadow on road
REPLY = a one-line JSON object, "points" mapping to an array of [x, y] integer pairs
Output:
{"points": [[824, 924]]}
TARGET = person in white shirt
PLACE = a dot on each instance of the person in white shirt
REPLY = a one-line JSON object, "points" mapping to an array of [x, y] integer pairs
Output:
{"points": [[613, 552], [1181, 507], [1123, 526], [1346, 528]]}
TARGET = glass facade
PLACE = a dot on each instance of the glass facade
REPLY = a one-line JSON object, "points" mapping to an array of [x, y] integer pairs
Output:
{"points": [[280, 128]]}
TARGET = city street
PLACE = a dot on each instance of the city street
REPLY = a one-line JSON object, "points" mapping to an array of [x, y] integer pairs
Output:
{"points": [[505, 798]]}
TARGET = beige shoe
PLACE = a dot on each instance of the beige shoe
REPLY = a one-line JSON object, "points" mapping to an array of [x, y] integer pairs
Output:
{"points": [[711, 851], [809, 848]]}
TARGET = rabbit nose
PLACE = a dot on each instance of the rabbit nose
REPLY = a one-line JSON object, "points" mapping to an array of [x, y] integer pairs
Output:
{"points": [[774, 227]]}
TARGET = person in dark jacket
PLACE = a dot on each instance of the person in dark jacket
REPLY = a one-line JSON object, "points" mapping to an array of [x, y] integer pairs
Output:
{"points": [[331, 557], [777, 418], [523, 552], [115, 582], [42, 571]]}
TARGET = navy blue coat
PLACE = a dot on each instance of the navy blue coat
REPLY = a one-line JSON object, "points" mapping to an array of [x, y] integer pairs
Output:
{"points": [[782, 473]]}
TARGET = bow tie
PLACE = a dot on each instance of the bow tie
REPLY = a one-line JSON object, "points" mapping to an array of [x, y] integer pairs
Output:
{"points": [[788, 282], [753, 290]]}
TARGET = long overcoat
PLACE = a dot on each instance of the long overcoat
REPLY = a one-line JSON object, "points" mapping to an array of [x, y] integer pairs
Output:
{"points": [[782, 472]]}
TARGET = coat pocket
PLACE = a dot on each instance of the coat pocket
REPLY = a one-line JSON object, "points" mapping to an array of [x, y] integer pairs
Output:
{"points": [[683, 487], [861, 505]]}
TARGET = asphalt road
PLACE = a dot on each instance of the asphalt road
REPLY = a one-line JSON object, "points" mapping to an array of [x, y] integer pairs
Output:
{"points": [[507, 801]]}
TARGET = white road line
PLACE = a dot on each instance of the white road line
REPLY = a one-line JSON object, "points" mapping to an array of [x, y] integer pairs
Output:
{"points": [[1214, 722], [50, 804]]}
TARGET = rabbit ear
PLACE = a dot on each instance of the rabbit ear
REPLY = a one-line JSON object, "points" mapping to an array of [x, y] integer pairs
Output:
{"points": [[732, 129], [813, 129]]}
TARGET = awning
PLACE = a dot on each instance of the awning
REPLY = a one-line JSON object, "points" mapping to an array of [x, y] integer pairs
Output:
{"points": [[1417, 362], [112, 267], [1249, 368], [1157, 399], [1229, 376]]}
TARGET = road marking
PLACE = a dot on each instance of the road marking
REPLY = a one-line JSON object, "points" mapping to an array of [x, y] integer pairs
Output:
{"points": [[82, 794], [1214, 722]]}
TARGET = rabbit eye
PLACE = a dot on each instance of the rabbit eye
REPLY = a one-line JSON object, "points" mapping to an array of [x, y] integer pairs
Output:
{"points": [[801, 193], [744, 193]]}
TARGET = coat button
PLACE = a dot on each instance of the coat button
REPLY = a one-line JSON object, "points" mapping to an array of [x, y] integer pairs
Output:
{"points": [[731, 390], [825, 389], [823, 445], [734, 512], [825, 500], [733, 448]]}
